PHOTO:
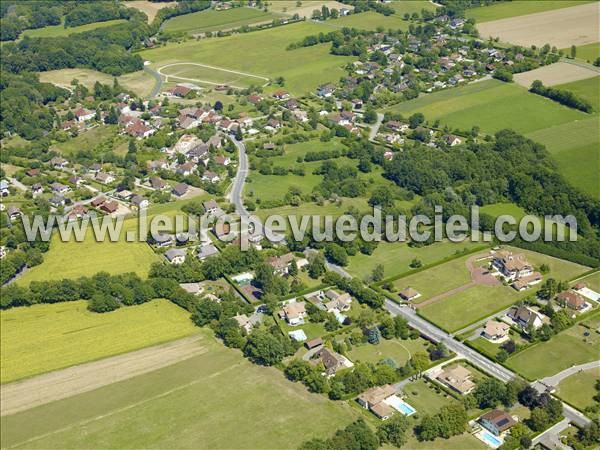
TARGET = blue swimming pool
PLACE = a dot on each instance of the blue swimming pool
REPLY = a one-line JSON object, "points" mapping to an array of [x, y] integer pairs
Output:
{"points": [[400, 405], [490, 439]]}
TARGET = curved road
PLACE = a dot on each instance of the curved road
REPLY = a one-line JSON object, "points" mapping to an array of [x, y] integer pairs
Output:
{"points": [[159, 81]]}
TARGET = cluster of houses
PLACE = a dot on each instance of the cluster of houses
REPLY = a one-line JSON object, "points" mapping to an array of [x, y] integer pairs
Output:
{"points": [[394, 134]]}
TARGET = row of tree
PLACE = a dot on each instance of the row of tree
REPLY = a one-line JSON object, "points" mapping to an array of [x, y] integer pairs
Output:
{"points": [[561, 96]]}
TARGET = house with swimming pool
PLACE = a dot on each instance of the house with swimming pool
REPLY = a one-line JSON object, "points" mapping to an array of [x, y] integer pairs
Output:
{"points": [[383, 402], [495, 425]]}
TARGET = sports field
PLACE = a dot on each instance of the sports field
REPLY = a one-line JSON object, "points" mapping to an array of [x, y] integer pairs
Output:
{"points": [[213, 20], [139, 82], [60, 30], [517, 8], [262, 53], [396, 257], [567, 348], [579, 389], [574, 147], [492, 105], [575, 25], [42, 338], [215, 400], [462, 309]]}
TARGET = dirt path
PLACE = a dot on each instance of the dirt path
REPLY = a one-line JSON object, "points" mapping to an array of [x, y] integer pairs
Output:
{"points": [[479, 275], [36, 391]]}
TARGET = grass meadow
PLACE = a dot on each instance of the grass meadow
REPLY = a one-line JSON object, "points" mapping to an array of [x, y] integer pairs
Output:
{"points": [[195, 72], [213, 20], [574, 147], [42, 338], [587, 52], [589, 89], [214, 400], [593, 282], [399, 350], [86, 140], [369, 20], [517, 8], [492, 105], [262, 53], [60, 30], [578, 389], [567, 348]]}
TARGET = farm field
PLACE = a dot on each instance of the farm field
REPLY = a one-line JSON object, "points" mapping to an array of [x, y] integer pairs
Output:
{"points": [[262, 53], [149, 8], [397, 256], [290, 7], [47, 337], [139, 82], [399, 350], [369, 20], [576, 25], [60, 30], [588, 89], [213, 20], [462, 309], [588, 52], [206, 398], [574, 147], [579, 389], [564, 350], [557, 73], [86, 140], [492, 105], [517, 8]]}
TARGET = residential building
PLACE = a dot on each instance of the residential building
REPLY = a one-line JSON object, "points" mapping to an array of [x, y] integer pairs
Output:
{"points": [[175, 256], [139, 202], [458, 379], [495, 331], [512, 266], [332, 361], [497, 421], [180, 189], [374, 400], [294, 312], [281, 264], [206, 251], [409, 294], [572, 300], [526, 317]]}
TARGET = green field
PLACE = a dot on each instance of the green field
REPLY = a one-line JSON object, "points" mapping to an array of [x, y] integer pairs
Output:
{"points": [[567, 348], [578, 389], [492, 105], [370, 20], [593, 281], [559, 269], [396, 257], [262, 53], [42, 338], [588, 52], [87, 140], [213, 20], [589, 89], [60, 30], [215, 400], [186, 72], [517, 8], [498, 209], [399, 350], [574, 147], [462, 309]]}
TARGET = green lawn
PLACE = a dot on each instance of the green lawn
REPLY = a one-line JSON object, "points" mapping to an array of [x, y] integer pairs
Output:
{"points": [[262, 53], [60, 30], [589, 89], [560, 352], [464, 308], [399, 350], [560, 269], [498, 209], [492, 105], [517, 8], [588, 52], [215, 400], [213, 20], [86, 140], [397, 256], [42, 338], [574, 147], [579, 389], [593, 281]]}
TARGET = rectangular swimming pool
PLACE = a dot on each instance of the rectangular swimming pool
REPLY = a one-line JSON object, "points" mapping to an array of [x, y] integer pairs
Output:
{"points": [[400, 405], [489, 439]]}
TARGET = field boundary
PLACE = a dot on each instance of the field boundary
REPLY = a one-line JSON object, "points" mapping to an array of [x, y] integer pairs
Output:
{"points": [[206, 66]]}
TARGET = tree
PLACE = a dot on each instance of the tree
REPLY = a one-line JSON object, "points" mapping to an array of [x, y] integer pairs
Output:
{"points": [[370, 115], [264, 348], [316, 266], [503, 74], [297, 370], [489, 393], [573, 51], [102, 303], [419, 362], [293, 269], [415, 120], [336, 254], [393, 430], [502, 355], [218, 106], [378, 273]]}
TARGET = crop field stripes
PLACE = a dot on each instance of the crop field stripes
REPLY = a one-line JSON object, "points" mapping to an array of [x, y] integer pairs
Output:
{"points": [[186, 73]]}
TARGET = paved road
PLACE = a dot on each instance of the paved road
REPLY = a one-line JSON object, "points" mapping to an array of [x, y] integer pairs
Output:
{"points": [[16, 183], [159, 81], [375, 127], [237, 190], [554, 380], [551, 435], [472, 356]]}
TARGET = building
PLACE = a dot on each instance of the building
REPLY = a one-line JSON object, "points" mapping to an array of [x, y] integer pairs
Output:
{"points": [[83, 115], [211, 207], [247, 323], [163, 240], [180, 190], [512, 266], [104, 178], [458, 379], [206, 251], [175, 256], [294, 312], [526, 282], [495, 331], [186, 143], [109, 207], [138, 202], [313, 343], [281, 264], [374, 400], [179, 91], [452, 140], [409, 294], [59, 163], [526, 317], [571, 300], [497, 421], [211, 177], [337, 302], [332, 361], [14, 212]]}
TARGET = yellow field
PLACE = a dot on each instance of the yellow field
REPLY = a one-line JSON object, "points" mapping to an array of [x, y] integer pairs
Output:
{"points": [[42, 338]]}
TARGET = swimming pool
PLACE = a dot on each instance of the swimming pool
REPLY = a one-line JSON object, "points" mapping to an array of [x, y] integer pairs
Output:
{"points": [[489, 439], [400, 405]]}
